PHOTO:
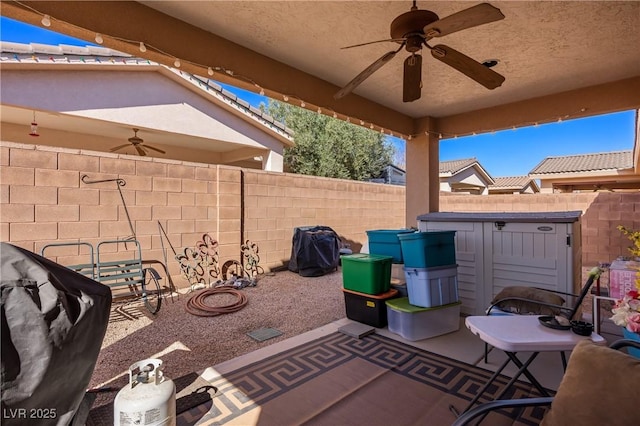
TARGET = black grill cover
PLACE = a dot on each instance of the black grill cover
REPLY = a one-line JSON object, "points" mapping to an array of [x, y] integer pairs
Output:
{"points": [[53, 324], [315, 251]]}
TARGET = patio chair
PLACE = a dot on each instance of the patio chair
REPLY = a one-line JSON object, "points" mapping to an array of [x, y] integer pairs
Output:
{"points": [[597, 389], [521, 300]]}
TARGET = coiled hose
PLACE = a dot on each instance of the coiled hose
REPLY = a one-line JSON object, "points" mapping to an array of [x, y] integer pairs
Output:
{"points": [[196, 304]]}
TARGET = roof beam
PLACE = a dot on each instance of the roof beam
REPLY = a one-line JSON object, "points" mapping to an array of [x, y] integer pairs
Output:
{"points": [[123, 24], [589, 101]]}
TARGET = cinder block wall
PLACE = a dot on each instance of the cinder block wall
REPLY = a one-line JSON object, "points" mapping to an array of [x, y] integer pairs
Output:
{"points": [[43, 199], [602, 212]]}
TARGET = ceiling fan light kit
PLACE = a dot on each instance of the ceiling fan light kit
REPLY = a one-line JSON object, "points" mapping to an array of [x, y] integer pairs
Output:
{"points": [[413, 30]]}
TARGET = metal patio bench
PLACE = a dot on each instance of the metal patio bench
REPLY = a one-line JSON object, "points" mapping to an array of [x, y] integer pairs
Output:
{"points": [[127, 277]]}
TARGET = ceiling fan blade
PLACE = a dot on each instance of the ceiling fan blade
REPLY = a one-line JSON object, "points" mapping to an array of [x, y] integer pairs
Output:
{"points": [[469, 67], [472, 17], [366, 73], [397, 40], [155, 149], [412, 83], [115, 148], [141, 151]]}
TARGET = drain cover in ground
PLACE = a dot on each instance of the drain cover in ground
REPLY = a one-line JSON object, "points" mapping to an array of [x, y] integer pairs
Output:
{"points": [[356, 329], [263, 334]]}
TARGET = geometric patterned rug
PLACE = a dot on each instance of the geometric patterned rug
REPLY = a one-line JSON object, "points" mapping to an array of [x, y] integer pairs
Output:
{"points": [[341, 380]]}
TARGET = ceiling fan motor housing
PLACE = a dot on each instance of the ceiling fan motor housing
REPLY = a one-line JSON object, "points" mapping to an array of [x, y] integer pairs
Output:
{"points": [[410, 25]]}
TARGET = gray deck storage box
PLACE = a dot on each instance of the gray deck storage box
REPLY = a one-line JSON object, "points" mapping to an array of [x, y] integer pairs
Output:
{"points": [[496, 250]]}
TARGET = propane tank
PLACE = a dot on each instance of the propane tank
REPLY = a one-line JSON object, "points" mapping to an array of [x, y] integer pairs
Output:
{"points": [[149, 399]]}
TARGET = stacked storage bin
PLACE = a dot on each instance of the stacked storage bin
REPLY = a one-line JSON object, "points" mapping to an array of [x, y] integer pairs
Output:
{"points": [[386, 242], [432, 306], [366, 282]]}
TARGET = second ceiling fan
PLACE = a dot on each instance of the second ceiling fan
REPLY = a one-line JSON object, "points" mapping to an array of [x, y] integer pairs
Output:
{"points": [[137, 144], [413, 29]]}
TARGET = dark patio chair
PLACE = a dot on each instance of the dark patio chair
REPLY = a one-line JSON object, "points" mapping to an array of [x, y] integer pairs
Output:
{"points": [[597, 389], [520, 300]]}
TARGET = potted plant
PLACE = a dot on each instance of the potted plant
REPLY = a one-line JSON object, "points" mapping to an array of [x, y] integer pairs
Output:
{"points": [[626, 311]]}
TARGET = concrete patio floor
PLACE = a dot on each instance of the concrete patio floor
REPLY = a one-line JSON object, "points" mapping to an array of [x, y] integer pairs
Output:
{"points": [[460, 345]]}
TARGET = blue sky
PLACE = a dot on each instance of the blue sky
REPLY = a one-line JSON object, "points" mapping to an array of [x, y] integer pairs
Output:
{"points": [[505, 153]]}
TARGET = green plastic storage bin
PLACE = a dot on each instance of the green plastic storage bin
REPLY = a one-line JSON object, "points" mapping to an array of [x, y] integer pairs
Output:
{"points": [[428, 249], [385, 242], [366, 273]]}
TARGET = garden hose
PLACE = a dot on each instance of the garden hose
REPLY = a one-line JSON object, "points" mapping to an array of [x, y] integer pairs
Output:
{"points": [[196, 304]]}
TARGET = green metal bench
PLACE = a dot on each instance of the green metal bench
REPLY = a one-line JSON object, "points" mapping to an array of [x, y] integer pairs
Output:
{"points": [[125, 277]]}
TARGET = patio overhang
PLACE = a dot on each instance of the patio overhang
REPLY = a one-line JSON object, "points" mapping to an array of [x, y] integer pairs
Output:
{"points": [[561, 60]]}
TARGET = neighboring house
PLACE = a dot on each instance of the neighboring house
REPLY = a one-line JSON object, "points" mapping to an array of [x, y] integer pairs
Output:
{"points": [[589, 172], [92, 97], [514, 185], [465, 176]]}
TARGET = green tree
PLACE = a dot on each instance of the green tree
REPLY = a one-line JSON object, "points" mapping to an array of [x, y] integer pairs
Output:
{"points": [[325, 146]]}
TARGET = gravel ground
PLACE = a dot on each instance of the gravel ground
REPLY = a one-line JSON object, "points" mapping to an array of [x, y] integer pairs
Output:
{"points": [[187, 343]]}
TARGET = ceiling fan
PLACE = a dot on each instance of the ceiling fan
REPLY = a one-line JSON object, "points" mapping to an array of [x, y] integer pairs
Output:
{"points": [[137, 144], [414, 29]]}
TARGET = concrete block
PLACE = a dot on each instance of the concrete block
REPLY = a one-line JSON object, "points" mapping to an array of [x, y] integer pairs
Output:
{"points": [[181, 199], [98, 213], [17, 213], [17, 175], [32, 231], [4, 156], [82, 163], [33, 158], [210, 200], [58, 178], [167, 184], [151, 169], [180, 226], [181, 171], [193, 185], [206, 174], [114, 229], [151, 199], [24, 194], [57, 213], [79, 196], [166, 212], [118, 166], [4, 194], [136, 213], [193, 212], [137, 183], [79, 230]]}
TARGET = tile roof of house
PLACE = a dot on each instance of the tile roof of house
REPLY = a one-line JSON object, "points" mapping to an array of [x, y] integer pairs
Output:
{"points": [[585, 162], [67, 54], [511, 182], [454, 166]]}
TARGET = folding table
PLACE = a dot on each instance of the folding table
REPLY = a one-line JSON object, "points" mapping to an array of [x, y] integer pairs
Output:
{"points": [[522, 333]]}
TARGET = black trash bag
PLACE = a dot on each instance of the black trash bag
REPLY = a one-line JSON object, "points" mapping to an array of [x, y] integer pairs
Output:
{"points": [[53, 323], [315, 251]]}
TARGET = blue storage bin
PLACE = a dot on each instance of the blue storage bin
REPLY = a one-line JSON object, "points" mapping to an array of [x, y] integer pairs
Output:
{"points": [[430, 287], [428, 249], [385, 242]]}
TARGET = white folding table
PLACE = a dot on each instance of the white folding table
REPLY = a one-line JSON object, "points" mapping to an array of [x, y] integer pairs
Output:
{"points": [[522, 333]]}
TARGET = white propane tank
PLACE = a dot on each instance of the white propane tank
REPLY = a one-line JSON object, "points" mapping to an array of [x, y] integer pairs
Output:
{"points": [[149, 399]]}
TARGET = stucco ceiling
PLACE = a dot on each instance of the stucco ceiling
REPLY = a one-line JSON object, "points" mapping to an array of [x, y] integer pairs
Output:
{"points": [[542, 47], [293, 48]]}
